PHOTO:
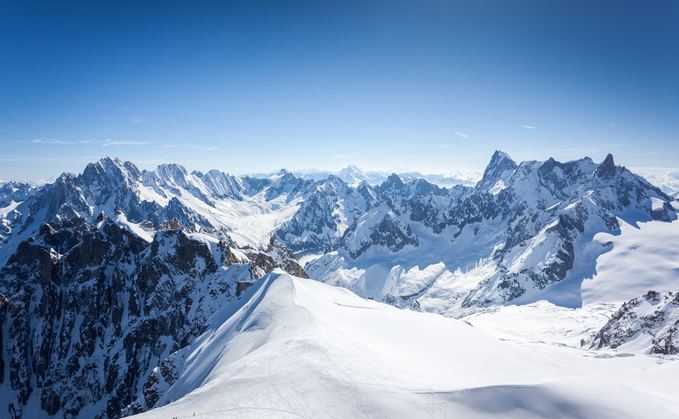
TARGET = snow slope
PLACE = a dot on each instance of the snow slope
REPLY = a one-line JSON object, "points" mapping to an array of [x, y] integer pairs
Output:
{"points": [[643, 257], [298, 348]]}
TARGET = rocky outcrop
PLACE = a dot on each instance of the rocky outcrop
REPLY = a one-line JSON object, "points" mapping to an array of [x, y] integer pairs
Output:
{"points": [[329, 208], [651, 320], [378, 227]]}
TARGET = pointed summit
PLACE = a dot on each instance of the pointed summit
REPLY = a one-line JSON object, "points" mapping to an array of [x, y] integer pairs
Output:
{"points": [[606, 169], [395, 180], [501, 166]]}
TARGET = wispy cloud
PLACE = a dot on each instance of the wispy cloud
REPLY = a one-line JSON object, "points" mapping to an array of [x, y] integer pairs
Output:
{"points": [[45, 140], [611, 124], [123, 142], [461, 134], [445, 145], [527, 126], [447, 129], [11, 130], [137, 120]]}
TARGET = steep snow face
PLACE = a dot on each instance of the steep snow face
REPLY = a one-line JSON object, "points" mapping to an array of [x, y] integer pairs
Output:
{"points": [[299, 348], [641, 256], [646, 324]]}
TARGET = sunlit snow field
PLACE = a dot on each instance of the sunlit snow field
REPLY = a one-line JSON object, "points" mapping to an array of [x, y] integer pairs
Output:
{"points": [[299, 348]]}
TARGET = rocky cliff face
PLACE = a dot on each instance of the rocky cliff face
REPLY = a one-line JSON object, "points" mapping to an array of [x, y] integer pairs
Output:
{"points": [[90, 310], [378, 227], [649, 323]]}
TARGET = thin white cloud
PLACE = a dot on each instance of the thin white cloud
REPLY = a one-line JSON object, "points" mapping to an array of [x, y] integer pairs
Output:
{"points": [[45, 140], [123, 142], [136, 120], [461, 134], [445, 145], [611, 124], [527, 126], [447, 129], [12, 131]]}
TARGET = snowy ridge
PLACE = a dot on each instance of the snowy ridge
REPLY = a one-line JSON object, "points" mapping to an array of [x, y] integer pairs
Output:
{"points": [[301, 348]]}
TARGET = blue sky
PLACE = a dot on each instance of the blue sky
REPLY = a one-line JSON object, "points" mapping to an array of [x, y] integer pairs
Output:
{"points": [[255, 86]]}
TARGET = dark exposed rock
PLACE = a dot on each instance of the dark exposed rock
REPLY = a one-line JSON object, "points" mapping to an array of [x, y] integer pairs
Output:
{"points": [[88, 310], [654, 314], [379, 227]]}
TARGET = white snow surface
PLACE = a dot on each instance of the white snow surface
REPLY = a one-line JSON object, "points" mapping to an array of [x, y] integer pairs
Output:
{"points": [[643, 257], [293, 348]]}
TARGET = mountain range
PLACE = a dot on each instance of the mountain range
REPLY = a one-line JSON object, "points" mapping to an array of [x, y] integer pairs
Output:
{"points": [[122, 289]]}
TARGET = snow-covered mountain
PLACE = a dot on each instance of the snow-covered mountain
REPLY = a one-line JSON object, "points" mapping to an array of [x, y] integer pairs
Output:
{"points": [[523, 233], [299, 348], [90, 310], [353, 175], [212, 200], [108, 279]]}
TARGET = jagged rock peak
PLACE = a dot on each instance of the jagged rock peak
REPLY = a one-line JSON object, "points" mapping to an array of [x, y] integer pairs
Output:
{"points": [[500, 165], [109, 166], [606, 169], [171, 170], [394, 179]]}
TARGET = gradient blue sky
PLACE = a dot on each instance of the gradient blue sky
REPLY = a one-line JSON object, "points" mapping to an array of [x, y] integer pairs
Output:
{"points": [[255, 86]]}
